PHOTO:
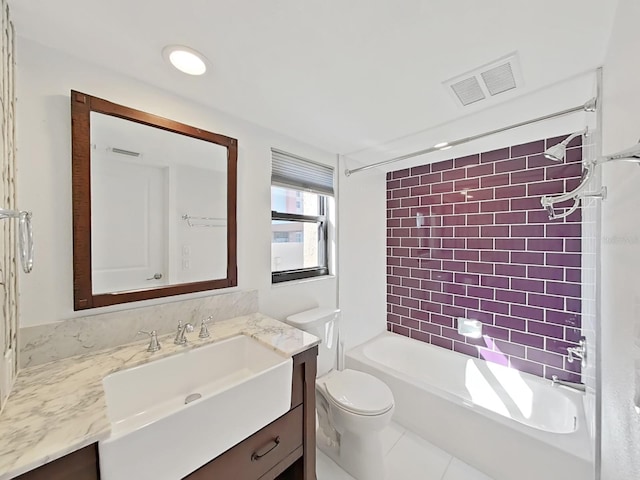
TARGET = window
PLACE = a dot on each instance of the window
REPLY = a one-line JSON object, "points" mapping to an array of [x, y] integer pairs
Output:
{"points": [[280, 237], [300, 192]]}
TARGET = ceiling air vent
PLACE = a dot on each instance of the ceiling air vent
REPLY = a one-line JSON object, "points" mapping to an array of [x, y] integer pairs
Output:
{"points": [[468, 91], [487, 81], [499, 79]]}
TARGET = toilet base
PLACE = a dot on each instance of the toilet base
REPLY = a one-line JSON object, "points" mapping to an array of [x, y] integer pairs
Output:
{"points": [[361, 457]]}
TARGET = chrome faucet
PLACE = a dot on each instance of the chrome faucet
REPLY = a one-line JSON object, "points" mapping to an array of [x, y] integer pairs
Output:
{"points": [[204, 331], [580, 352], [154, 345], [555, 381], [180, 334]]}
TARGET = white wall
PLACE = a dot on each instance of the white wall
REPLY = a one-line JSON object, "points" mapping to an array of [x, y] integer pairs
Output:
{"points": [[363, 239], [44, 78], [620, 347], [199, 192]]}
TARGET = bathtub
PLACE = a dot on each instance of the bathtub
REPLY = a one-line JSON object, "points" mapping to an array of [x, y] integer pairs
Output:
{"points": [[507, 424]]}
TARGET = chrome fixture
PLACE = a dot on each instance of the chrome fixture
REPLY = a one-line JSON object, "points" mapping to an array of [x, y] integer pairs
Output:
{"points": [[558, 152], [589, 106], [469, 328], [580, 352], [202, 221], [154, 345], [180, 334], [555, 382], [549, 202], [122, 151], [25, 236], [204, 331], [630, 155]]}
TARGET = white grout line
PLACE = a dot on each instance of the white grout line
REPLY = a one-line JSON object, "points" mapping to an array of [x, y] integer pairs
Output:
{"points": [[444, 474], [404, 431]]}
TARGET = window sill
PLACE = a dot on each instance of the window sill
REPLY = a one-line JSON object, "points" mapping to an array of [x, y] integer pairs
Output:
{"points": [[303, 280]]}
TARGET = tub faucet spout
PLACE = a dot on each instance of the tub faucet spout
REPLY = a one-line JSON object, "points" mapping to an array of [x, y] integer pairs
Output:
{"points": [[555, 381]]}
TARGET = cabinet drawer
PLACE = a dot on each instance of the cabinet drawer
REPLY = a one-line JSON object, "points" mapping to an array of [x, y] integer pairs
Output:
{"points": [[259, 453]]}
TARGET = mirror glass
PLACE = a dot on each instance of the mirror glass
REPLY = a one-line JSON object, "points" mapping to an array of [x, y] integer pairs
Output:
{"points": [[158, 207], [159, 204]]}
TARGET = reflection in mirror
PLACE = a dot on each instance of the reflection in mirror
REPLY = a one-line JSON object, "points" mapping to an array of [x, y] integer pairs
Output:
{"points": [[154, 205], [158, 207]]}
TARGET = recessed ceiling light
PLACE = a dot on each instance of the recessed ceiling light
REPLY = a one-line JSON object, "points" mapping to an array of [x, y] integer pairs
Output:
{"points": [[441, 145], [185, 59]]}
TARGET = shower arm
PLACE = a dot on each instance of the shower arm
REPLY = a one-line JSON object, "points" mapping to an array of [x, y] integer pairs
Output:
{"points": [[549, 201], [629, 155], [565, 213]]}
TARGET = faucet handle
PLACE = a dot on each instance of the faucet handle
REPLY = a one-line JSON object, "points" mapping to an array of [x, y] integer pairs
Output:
{"points": [[580, 352], [154, 345], [187, 326], [204, 331], [180, 334]]}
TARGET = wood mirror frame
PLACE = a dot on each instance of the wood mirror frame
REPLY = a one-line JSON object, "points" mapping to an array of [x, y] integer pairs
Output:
{"points": [[81, 107]]}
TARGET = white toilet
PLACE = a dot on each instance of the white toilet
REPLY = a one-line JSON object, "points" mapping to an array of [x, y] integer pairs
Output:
{"points": [[353, 407]]}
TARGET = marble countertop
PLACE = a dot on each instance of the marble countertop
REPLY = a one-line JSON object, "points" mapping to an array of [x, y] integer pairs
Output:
{"points": [[59, 407]]}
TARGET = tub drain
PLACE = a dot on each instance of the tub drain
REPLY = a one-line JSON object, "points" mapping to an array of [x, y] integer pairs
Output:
{"points": [[192, 397]]}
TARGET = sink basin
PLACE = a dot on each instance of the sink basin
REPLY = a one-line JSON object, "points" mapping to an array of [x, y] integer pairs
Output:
{"points": [[171, 416]]}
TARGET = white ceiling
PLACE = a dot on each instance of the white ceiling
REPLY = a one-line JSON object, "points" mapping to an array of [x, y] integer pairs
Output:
{"points": [[343, 75], [157, 147]]}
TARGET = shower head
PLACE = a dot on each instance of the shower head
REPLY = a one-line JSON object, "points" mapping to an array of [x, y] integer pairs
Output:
{"points": [[556, 152], [559, 151]]}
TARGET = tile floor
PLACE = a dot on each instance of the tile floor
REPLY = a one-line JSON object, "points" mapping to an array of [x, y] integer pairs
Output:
{"points": [[409, 457]]}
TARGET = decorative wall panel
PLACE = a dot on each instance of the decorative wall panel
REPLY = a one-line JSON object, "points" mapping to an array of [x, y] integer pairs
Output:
{"points": [[8, 278]]}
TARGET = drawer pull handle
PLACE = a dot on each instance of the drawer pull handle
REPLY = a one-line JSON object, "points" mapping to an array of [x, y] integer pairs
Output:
{"points": [[257, 455]]}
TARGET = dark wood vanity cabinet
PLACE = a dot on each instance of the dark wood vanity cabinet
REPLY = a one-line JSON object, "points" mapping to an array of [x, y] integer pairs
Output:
{"points": [[283, 450], [79, 465]]}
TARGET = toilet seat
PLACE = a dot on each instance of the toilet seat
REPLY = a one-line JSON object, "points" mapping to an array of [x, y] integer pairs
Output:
{"points": [[358, 392]]}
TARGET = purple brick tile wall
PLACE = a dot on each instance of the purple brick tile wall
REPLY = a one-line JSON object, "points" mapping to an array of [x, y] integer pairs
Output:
{"points": [[467, 237]]}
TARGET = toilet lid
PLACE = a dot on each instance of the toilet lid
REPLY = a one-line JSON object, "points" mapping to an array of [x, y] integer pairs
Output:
{"points": [[359, 392]]}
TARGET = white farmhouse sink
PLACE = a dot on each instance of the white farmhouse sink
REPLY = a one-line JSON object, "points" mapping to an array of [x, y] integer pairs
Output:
{"points": [[244, 386]]}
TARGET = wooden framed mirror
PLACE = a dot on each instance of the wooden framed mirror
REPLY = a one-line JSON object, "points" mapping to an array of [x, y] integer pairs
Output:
{"points": [[154, 205]]}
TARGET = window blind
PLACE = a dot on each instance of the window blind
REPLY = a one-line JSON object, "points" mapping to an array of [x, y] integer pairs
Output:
{"points": [[291, 171]]}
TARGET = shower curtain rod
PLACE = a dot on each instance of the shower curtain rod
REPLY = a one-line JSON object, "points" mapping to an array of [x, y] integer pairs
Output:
{"points": [[590, 106]]}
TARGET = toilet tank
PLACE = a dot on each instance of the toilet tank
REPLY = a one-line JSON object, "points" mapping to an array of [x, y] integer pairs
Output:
{"points": [[323, 323]]}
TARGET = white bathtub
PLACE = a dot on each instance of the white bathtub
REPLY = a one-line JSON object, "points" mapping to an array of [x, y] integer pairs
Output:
{"points": [[507, 424]]}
